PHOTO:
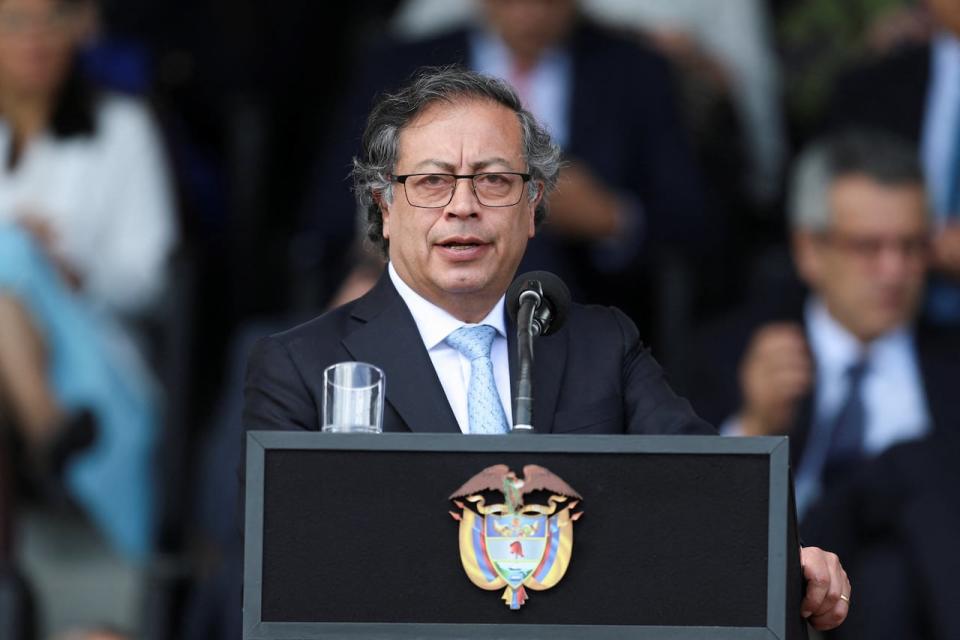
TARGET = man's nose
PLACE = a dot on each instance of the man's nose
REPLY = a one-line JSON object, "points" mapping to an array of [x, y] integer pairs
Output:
{"points": [[464, 202]]}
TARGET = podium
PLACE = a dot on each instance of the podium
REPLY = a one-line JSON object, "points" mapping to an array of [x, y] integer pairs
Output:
{"points": [[354, 536]]}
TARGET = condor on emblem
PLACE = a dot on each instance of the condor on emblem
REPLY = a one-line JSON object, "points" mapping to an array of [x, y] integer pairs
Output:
{"points": [[512, 544]]}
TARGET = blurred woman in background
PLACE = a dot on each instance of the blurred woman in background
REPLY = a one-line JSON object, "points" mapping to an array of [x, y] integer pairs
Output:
{"points": [[86, 228]]}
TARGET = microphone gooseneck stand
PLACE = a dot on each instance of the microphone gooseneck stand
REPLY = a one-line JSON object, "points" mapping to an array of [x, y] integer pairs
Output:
{"points": [[527, 328], [538, 303]]}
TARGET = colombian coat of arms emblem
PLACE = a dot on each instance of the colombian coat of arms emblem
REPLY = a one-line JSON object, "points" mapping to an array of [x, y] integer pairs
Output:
{"points": [[512, 544]]}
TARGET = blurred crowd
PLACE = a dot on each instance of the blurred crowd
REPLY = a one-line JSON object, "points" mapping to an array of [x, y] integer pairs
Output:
{"points": [[769, 188]]}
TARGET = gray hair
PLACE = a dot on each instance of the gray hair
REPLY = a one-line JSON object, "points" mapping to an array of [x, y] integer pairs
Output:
{"points": [[882, 157], [373, 168]]}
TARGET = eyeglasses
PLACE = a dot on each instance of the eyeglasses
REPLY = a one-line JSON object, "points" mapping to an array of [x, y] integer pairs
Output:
{"points": [[870, 248], [429, 190]]}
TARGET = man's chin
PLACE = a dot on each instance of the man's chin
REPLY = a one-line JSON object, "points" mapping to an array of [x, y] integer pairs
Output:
{"points": [[884, 323], [466, 282], [464, 286]]}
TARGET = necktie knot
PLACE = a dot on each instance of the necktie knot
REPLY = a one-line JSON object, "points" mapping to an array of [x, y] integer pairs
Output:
{"points": [[473, 341], [856, 371]]}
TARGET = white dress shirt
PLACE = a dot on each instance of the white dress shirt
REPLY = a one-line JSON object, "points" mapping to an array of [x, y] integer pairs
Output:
{"points": [[453, 369], [108, 199], [894, 401]]}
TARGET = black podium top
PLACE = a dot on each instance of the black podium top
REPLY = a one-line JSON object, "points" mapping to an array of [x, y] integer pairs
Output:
{"points": [[681, 537]]}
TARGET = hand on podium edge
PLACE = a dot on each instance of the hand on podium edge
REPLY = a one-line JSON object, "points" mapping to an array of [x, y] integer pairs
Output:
{"points": [[827, 600]]}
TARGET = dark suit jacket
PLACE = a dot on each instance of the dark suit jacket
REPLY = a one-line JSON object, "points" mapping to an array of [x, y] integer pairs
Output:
{"points": [[592, 376], [895, 523], [624, 125]]}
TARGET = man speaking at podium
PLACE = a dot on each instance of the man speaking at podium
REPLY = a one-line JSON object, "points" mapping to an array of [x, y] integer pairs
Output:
{"points": [[453, 177]]}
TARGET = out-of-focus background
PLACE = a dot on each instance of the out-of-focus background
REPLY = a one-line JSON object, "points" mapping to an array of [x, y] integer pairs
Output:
{"points": [[175, 185]]}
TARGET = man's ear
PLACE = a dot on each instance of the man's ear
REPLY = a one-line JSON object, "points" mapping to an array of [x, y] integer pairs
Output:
{"points": [[533, 210], [539, 197], [384, 212]]}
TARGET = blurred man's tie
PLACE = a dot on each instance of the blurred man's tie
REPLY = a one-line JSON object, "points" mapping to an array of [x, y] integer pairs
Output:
{"points": [[849, 424]]}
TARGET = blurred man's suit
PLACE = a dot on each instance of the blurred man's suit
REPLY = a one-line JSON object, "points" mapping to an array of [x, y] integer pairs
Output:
{"points": [[578, 387]]}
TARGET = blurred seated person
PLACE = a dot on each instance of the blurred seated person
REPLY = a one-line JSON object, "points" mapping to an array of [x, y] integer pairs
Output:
{"points": [[723, 50], [629, 182], [86, 227], [914, 91], [845, 369]]}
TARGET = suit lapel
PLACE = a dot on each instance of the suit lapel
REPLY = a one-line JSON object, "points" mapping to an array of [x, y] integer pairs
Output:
{"points": [[805, 413], [388, 337], [549, 358]]}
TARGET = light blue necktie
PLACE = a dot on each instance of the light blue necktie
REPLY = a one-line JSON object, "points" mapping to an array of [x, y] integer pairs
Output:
{"points": [[485, 413]]}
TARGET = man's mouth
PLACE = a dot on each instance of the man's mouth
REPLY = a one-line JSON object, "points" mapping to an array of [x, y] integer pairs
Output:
{"points": [[460, 246], [462, 243]]}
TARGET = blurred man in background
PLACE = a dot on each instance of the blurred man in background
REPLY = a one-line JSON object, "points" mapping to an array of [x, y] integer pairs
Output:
{"points": [[846, 370]]}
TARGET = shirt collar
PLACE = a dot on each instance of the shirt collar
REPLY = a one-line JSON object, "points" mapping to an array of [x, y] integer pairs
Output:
{"points": [[434, 323], [836, 348], [490, 49]]}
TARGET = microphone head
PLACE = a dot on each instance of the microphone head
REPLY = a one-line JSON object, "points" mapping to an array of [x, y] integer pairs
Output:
{"points": [[555, 305]]}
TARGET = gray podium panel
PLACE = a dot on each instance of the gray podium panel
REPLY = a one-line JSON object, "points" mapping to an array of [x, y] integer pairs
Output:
{"points": [[350, 536]]}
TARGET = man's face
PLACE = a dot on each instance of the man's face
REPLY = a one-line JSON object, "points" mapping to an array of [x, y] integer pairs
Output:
{"points": [[463, 256], [869, 267], [528, 27]]}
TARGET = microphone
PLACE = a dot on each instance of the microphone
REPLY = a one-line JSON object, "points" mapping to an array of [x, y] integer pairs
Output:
{"points": [[538, 302], [550, 298]]}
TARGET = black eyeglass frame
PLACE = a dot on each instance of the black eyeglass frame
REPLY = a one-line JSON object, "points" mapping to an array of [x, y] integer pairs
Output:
{"points": [[402, 179]]}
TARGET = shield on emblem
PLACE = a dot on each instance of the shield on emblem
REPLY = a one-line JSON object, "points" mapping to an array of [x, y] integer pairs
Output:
{"points": [[515, 545], [511, 544]]}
